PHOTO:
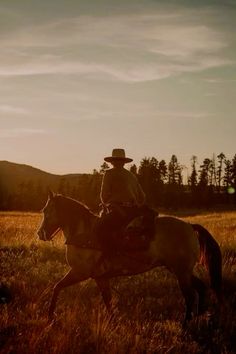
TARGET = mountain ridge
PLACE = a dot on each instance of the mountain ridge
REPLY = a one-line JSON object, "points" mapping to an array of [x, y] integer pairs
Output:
{"points": [[24, 184], [12, 164]]}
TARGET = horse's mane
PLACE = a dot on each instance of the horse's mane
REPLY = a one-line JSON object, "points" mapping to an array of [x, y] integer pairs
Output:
{"points": [[72, 206]]}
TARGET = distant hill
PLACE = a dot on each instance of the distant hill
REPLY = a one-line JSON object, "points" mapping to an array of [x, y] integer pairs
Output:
{"points": [[25, 187]]}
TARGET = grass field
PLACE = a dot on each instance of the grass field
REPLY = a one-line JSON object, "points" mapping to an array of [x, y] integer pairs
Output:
{"points": [[150, 307]]}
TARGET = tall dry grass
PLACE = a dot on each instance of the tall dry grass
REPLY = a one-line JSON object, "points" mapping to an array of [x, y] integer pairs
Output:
{"points": [[149, 307]]}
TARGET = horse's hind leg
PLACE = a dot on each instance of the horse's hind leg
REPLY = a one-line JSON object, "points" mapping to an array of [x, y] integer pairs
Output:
{"points": [[104, 286], [69, 279], [200, 287], [185, 283]]}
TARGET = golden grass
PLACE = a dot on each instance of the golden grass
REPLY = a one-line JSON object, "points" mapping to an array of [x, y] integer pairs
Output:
{"points": [[149, 307]]}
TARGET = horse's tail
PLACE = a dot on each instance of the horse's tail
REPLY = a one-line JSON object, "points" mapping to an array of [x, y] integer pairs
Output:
{"points": [[210, 256]]}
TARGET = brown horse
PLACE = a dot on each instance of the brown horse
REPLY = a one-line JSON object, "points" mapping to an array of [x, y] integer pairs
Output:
{"points": [[176, 245]]}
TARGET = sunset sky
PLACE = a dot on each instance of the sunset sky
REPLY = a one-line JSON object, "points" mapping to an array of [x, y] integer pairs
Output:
{"points": [[78, 78]]}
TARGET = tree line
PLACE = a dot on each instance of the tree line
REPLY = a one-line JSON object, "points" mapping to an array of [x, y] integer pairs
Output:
{"points": [[166, 184], [213, 182]]}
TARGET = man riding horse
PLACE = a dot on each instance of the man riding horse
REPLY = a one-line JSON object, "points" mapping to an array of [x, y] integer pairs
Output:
{"points": [[123, 199], [171, 242]]}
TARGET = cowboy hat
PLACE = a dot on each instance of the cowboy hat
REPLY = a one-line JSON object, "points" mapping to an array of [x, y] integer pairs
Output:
{"points": [[118, 154]]}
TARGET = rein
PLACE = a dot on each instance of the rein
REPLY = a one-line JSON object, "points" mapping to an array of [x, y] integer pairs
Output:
{"points": [[55, 233]]}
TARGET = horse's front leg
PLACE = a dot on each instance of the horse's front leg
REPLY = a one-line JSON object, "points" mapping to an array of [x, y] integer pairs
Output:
{"points": [[104, 286], [69, 279]]}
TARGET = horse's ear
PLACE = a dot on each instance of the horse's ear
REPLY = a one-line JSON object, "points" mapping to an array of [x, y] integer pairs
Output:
{"points": [[50, 194]]}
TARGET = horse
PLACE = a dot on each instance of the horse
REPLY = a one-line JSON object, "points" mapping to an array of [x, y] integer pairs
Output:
{"points": [[176, 244]]}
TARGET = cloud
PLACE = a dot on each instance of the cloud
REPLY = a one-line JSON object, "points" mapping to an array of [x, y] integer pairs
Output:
{"points": [[12, 109], [218, 80], [184, 114], [137, 72], [20, 132], [211, 94], [135, 48]]}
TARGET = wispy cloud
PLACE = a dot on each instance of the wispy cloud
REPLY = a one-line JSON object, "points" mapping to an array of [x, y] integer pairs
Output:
{"points": [[218, 80], [127, 72], [133, 48], [184, 114], [4, 108], [211, 94], [20, 132]]}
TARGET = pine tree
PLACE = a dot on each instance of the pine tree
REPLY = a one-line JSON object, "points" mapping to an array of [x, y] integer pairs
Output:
{"points": [[163, 171], [149, 177], [221, 159], [193, 177], [227, 173], [233, 171], [212, 171], [204, 172], [103, 168], [133, 169], [174, 170]]}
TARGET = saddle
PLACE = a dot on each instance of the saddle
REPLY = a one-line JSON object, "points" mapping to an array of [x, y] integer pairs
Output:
{"points": [[136, 236]]}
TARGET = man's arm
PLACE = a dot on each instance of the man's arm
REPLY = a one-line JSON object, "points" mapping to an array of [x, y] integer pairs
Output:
{"points": [[141, 197], [105, 194]]}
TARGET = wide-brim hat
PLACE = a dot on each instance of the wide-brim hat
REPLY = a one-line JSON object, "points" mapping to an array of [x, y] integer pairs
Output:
{"points": [[118, 155]]}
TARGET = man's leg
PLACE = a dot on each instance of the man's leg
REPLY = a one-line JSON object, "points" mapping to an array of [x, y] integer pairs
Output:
{"points": [[106, 229]]}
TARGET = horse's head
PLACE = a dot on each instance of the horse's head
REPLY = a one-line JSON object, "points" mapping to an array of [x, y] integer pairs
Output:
{"points": [[50, 223]]}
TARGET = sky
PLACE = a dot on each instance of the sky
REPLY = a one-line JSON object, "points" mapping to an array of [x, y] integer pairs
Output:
{"points": [[79, 78]]}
